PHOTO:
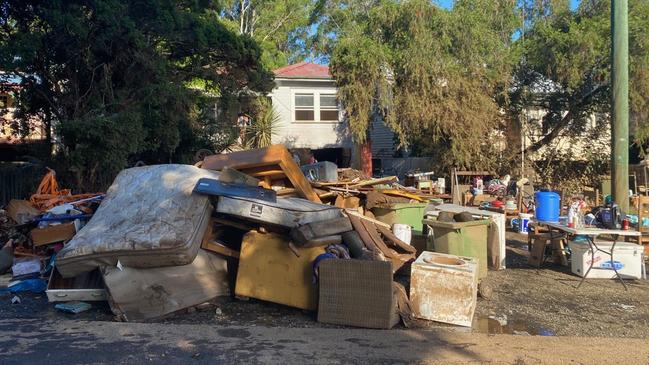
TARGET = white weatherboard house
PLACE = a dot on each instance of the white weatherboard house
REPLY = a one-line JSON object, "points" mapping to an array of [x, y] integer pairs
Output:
{"points": [[311, 117]]}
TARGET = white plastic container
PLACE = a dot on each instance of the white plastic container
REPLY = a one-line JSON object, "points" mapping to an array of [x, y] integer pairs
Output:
{"points": [[444, 288], [524, 221], [403, 232], [627, 256], [441, 185]]}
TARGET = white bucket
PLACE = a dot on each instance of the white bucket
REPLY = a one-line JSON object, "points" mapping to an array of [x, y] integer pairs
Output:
{"points": [[523, 222], [402, 231], [441, 185]]}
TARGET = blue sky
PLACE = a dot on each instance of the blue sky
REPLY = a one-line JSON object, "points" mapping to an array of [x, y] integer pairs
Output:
{"points": [[449, 3]]}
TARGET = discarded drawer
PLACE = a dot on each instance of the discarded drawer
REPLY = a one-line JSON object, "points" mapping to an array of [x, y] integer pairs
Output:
{"points": [[286, 212], [88, 286], [269, 270], [444, 288], [357, 293]]}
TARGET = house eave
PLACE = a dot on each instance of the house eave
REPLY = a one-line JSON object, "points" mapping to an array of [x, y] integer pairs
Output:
{"points": [[315, 79]]}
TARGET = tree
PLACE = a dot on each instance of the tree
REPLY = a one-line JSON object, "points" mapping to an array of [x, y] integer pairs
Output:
{"points": [[280, 27], [119, 79], [433, 75], [566, 67]]}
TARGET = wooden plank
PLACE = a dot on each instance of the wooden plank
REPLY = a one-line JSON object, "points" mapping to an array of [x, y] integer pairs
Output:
{"points": [[373, 241], [395, 240], [383, 180], [297, 178], [276, 155], [244, 159], [269, 173], [473, 173], [362, 232], [355, 213], [287, 191], [403, 194], [219, 248]]}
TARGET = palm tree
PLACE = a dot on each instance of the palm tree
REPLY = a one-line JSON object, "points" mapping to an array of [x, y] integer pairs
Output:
{"points": [[264, 126]]}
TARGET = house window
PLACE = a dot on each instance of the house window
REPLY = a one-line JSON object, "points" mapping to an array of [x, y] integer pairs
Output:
{"points": [[4, 101], [304, 107], [328, 107]]}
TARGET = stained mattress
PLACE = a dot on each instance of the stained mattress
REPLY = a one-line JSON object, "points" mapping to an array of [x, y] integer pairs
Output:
{"points": [[149, 218], [286, 212]]}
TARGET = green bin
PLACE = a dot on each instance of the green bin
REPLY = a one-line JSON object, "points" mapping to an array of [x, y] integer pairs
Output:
{"points": [[460, 239], [403, 213]]}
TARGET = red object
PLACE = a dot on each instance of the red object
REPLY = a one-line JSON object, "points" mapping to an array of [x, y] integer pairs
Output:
{"points": [[366, 158], [304, 70], [497, 204], [626, 224]]}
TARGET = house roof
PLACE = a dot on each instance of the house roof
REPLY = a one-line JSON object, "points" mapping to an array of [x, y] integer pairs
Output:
{"points": [[303, 70]]}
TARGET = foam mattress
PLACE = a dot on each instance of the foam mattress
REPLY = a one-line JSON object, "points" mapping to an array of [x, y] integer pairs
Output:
{"points": [[149, 218]]}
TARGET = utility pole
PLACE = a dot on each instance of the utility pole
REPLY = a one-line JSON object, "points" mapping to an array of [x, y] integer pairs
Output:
{"points": [[620, 103]]}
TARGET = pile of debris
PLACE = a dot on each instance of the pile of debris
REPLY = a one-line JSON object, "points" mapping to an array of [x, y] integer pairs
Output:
{"points": [[252, 224]]}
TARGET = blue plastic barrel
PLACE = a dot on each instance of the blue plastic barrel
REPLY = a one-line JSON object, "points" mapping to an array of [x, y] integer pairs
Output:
{"points": [[547, 206]]}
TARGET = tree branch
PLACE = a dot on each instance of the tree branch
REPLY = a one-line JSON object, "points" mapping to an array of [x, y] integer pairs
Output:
{"points": [[278, 25], [565, 121]]}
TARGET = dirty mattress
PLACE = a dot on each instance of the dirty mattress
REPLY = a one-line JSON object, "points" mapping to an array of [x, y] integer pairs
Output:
{"points": [[149, 218]]}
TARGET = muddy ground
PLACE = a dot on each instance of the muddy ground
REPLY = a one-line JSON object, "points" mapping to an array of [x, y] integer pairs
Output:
{"points": [[525, 301]]}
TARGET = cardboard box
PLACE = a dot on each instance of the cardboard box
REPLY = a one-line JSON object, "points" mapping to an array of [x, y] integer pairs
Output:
{"points": [[53, 233], [21, 211], [269, 270]]}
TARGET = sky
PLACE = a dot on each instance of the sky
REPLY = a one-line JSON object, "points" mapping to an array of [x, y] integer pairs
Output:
{"points": [[448, 3]]}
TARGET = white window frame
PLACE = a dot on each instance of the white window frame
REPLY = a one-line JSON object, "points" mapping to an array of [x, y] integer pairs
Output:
{"points": [[316, 105], [313, 108]]}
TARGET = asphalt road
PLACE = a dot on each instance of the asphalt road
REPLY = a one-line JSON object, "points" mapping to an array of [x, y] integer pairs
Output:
{"points": [[39, 341]]}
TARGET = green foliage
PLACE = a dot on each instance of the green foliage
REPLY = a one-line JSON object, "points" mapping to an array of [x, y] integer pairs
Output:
{"points": [[432, 74], [264, 125], [567, 57], [280, 27], [117, 79]]}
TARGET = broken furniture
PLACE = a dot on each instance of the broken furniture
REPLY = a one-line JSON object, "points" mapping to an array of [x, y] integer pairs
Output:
{"points": [[269, 270], [496, 234], [357, 293], [273, 165], [149, 218], [141, 294], [590, 234], [444, 288], [538, 244], [380, 241], [88, 286], [457, 189], [468, 239]]}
